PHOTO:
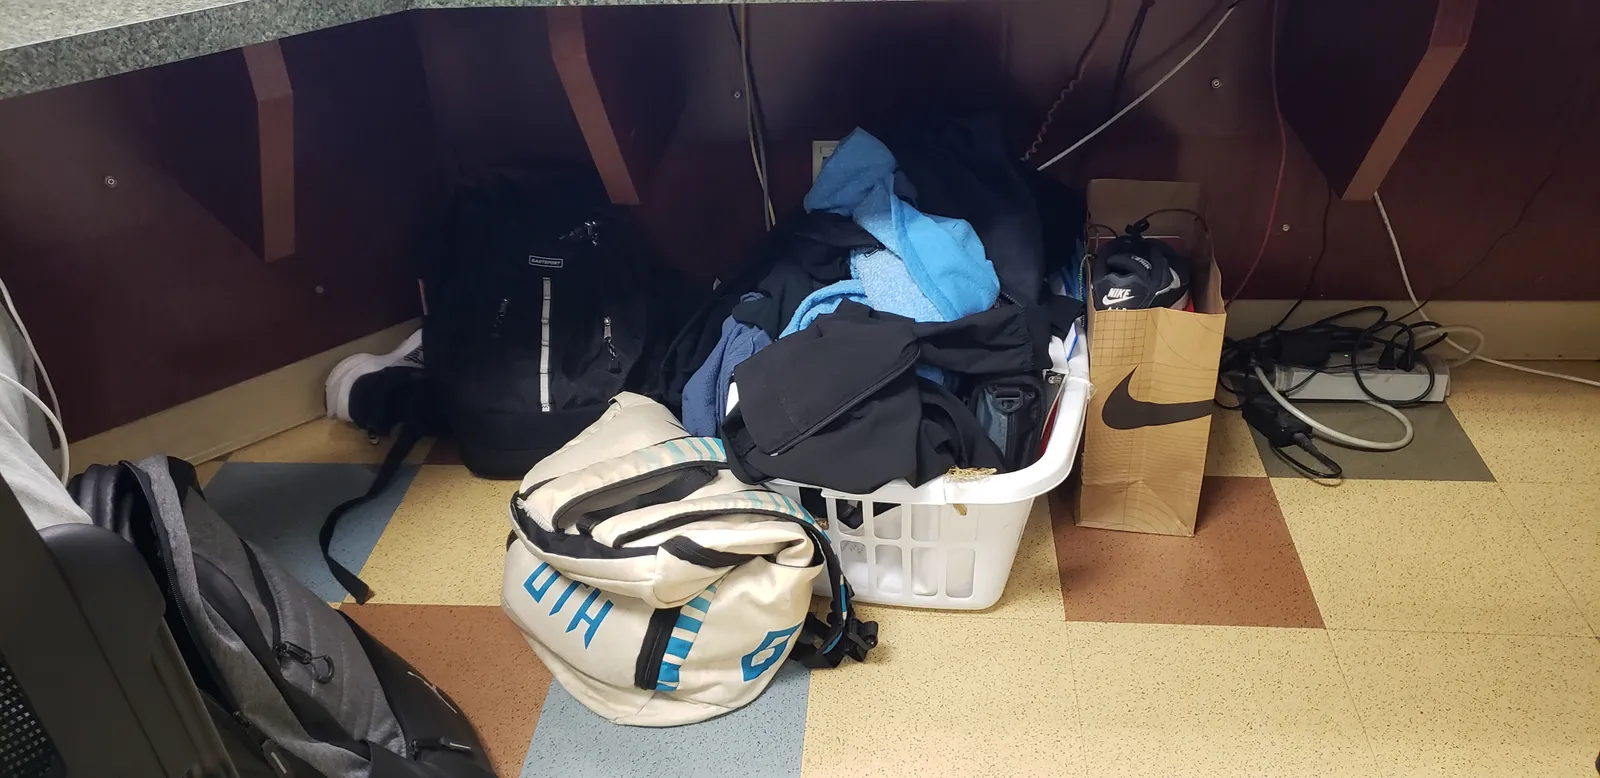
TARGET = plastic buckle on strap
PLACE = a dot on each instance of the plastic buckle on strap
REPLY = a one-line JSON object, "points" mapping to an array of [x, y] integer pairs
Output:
{"points": [[860, 637]]}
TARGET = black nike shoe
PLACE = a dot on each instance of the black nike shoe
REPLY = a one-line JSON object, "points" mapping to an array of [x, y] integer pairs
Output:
{"points": [[1133, 273]]}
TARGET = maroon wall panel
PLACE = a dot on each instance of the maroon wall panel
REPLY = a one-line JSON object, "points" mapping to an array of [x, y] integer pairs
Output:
{"points": [[140, 299], [1518, 106]]}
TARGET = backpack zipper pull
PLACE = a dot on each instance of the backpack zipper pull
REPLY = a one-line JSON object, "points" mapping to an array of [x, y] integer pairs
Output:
{"points": [[611, 348], [320, 673], [437, 744]]}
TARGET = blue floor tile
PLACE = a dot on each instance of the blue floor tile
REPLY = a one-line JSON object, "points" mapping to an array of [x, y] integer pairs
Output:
{"points": [[280, 508], [761, 739]]}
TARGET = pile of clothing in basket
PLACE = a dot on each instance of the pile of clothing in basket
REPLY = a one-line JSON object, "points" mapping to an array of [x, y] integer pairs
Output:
{"points": [[898, 328]]}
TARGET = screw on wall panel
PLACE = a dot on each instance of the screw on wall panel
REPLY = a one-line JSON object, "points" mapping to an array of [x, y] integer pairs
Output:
{"points": [[319, 289], [738, 95], [1286, 227], [1216, 83], [111, 182]]}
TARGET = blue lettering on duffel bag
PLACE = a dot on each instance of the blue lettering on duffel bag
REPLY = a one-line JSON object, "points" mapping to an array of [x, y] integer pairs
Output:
{"points": [[587, 613], [770, 651]]}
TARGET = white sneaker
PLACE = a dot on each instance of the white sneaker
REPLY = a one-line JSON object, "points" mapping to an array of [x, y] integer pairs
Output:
{"points": [[345, 374]]}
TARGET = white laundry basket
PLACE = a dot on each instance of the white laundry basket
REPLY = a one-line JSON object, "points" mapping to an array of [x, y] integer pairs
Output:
{"points": [[947, 543]]}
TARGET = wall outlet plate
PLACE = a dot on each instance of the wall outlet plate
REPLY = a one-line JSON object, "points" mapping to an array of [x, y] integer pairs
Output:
{"points": [[820, 151]]}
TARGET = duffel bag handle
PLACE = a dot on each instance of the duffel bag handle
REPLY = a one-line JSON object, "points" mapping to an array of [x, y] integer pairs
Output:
{"points": [[610, 488]]}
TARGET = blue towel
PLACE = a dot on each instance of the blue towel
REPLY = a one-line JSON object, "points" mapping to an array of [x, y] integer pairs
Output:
{"points": [[890, 287], [824, 300], [705, 396], [943, 257]]}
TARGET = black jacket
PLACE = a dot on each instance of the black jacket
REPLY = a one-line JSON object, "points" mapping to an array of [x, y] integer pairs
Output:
{"points": [[811, 252], [962, 169], [801, 255], [840, 405]]}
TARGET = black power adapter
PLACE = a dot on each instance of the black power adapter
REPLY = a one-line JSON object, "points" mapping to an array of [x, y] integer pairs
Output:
{"points": [[1282, 430]]}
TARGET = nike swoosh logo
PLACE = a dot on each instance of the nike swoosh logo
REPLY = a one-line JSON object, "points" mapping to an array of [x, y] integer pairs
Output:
{"points": [[1174, 284], [1122, 412]]}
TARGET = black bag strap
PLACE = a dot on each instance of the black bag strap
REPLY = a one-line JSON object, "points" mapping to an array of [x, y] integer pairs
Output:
{"points": [[410, 434], [827, 643]]}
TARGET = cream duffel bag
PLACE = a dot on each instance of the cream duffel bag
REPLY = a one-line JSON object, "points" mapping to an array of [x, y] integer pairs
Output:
{"points": [[659, 589]]}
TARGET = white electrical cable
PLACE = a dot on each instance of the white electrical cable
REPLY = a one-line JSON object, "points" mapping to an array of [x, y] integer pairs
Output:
{"points": [[1147, 92], [1474, 353], [1466, 329], [66, 464], [33, 353], [1335, 435]]}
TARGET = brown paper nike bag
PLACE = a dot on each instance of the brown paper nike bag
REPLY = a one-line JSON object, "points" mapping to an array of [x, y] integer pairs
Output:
{"points": [[1154, 373]]}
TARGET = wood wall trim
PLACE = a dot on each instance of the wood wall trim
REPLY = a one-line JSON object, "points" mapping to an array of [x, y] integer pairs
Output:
{"points": [[1452, 25], [274, 95], [622, 69], [569, 48], [1353, 97]]}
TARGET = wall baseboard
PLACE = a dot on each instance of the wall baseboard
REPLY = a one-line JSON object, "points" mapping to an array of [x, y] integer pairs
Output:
{"points": [[230, 419], [245, 413], [1514, 329]]}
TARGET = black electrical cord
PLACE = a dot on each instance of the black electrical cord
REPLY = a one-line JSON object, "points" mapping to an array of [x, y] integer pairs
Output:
{"points": [[755, 118], [1120, 78], [1197, 217], [1124, 62], [1334, 471], [1311, 345], [1246, 362]]}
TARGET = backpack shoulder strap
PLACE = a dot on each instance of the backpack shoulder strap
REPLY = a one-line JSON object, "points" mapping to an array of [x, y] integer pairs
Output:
{"points": [[407, 439]]}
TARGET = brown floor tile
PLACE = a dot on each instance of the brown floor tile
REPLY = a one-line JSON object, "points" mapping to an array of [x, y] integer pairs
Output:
{"points": [[476, 655], [1239, 569], [443, 452]]}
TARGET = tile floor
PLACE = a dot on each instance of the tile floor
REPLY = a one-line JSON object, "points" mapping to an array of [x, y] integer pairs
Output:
{"points": [[1435, 614]]}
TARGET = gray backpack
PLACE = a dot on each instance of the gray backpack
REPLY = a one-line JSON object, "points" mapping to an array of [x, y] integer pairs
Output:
{"points": [[294, 686]]}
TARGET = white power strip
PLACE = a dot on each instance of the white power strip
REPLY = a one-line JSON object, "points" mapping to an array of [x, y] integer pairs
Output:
{"points": [[1337, 383]]}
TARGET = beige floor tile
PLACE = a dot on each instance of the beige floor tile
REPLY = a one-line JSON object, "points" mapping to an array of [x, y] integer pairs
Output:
{"points": [[1476, 705], [1530, 428], [1565, 521], [323, 440], [1232, 450], [947, 694], [1174, 700], [446, 543], [1034, 589], [1426, 556]]}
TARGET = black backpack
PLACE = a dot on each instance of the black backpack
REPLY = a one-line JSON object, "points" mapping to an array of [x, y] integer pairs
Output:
{"points": [[541, 303], [539, 311]]}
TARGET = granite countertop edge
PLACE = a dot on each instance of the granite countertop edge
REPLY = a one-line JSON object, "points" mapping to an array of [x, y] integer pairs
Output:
{"points": [[76, 47]]}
